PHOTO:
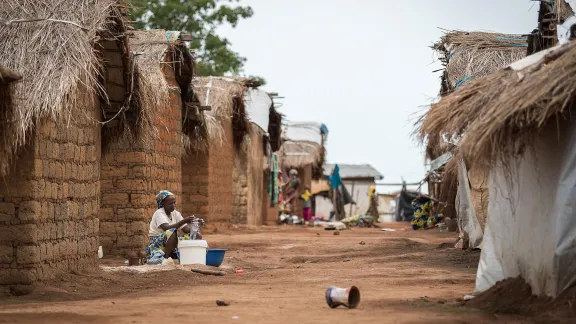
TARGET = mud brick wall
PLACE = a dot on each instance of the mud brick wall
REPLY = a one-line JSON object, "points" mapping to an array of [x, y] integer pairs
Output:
{"points": [[194, 184], [220, 169], [250, 190], [257, 192], [49, 203], [270, 214], [240, 187], [133, 173], [207, 180]]}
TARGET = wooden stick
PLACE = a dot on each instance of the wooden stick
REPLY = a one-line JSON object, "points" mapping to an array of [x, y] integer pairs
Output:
{"points": [[209, 272], [7, 75]]}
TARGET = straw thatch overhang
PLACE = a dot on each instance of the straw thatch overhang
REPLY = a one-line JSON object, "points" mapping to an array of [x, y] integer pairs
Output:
{"points": [[317, 168], [299, 154], [468, 56], [502, 112], [275, 129], [116, 75], [138, 87], [52, 44], [225, 97]]}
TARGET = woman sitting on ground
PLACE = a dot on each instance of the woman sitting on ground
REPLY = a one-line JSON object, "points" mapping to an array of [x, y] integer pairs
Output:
{"points": [[167, 227], [422, 209]]}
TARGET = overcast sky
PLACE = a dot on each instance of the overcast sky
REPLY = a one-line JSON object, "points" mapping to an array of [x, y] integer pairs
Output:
{"points": [[364, 67]]}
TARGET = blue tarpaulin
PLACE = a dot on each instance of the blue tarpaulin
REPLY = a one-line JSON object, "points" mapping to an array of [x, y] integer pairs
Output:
{"points": [[335, 180]]}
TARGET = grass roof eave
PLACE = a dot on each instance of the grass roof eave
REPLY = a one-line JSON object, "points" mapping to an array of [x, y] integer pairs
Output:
{"points": [[502, 112], [471, 55], [225, 96], [55, 57]]}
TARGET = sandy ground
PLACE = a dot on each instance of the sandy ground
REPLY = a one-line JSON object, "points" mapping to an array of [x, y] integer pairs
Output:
{"points": [[403, 276]]}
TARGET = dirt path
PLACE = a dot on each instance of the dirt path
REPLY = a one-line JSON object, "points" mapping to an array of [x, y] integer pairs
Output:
{"points": [[403, 276]]}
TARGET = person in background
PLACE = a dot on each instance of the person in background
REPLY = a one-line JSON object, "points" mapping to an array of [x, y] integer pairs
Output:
{"points": [[291, 189], [306, 205], [422, 209], [167, 227], [373, 207]]}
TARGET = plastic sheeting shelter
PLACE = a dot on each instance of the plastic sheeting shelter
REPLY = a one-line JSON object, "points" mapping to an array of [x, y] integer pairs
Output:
{"points": [[258, 105], [531, 226], [303, 132], [468, 223]]}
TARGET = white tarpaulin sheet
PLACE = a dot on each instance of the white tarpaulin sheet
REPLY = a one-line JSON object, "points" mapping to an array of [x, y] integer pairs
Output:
{"points": [[440, 161], [469, 225], [258, 105], [531, 226], [302, 132]]}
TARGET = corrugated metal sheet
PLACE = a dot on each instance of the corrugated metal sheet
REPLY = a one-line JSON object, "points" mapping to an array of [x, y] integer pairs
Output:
{"points": [[354, 171]]}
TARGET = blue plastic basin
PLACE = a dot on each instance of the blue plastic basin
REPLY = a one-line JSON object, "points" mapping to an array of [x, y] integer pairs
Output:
{"points": [[214, 257]]}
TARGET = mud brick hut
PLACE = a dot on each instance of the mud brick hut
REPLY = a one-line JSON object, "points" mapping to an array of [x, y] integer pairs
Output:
{"points": [[303, 148], [147, 158], [91, 131], [251, 202], [50, 137], [521, 119], [224, 176], [463, 185], [208, 166]]}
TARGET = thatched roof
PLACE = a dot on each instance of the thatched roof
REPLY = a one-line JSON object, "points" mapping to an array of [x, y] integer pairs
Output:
{"points": [[225, 96], [156, 57], [52, 44], [275, 128], [468, 56], [471, 55], [502, 112], [304, 144], [299, 154]]}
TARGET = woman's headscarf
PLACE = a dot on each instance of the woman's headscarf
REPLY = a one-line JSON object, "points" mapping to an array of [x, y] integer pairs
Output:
{"points": [[161, 196], [371, 191]]}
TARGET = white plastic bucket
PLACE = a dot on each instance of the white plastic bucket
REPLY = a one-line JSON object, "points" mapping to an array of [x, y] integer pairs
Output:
{"points": [[192, 251]]}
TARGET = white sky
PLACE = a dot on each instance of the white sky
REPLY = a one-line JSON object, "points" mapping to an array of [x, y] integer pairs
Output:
{"points": [[364, 67]]}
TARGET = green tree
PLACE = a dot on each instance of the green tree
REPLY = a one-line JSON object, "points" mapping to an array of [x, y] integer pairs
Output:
{"points": [[200, 18]]}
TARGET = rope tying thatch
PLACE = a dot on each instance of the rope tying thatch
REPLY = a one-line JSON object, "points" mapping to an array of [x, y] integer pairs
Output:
{"points": [[469, 55]]}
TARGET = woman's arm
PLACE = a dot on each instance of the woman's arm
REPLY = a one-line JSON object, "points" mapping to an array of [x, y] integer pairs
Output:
{"points": [[177, 225]]}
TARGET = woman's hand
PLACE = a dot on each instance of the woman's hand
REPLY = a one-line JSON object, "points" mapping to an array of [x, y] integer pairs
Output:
{"points": [[187, 220]]}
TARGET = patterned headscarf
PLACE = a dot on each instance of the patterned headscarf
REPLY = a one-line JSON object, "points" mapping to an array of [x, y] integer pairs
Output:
{"points": [[161, 196]]}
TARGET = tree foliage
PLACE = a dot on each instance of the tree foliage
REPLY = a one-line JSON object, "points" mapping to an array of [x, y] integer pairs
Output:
{"points": [[199, 18]]}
